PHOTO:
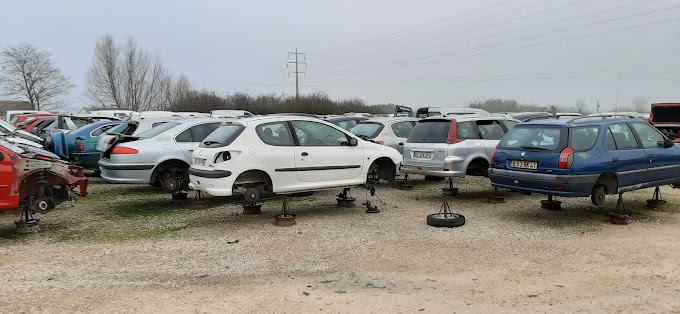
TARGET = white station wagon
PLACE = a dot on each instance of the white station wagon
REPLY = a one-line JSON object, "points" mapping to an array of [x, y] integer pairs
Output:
{"points": [[286, 154]]}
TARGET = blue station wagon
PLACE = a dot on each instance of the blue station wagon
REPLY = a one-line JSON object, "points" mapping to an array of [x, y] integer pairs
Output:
{"points": [[584, 157]]}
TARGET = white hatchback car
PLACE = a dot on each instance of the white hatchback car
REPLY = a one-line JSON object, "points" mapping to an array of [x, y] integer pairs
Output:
{"points": [[286, 154]]}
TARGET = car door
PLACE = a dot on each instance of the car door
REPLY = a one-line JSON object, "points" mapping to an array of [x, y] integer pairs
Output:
{"points": [[189, 139], [663, 162], [627, 159], [279, 154], [491, 132], [322, 153]]}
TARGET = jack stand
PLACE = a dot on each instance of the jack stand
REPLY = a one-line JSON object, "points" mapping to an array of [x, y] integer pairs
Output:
{"points": [[620, 217], [199, 196], [496, 198], [450, 190], [345, 199], [284, 219], [252, 209], [180, 196], [551, 204], [445, 218], [657, 201], [27, 224], [371, 209], [405, 186]]}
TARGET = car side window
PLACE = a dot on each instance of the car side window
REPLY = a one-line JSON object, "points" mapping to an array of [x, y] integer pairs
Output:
{"points": [[317, 134], [347, 125], [402, 129], [466, 130], [623, 136], [491, 130], [649, 136], [201, 131], [609, 141], [184, 137], [2, 156], [509, 124], [101, 130], [275, 134]]}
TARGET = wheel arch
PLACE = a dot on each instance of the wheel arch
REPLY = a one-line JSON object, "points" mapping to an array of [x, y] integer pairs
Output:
{"points": [[255, 176], [610, 182], [387, 168], [165, 164], [478, 162]]}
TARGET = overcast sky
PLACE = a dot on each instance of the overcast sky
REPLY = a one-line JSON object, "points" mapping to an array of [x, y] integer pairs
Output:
{"points": [[418, 53]]}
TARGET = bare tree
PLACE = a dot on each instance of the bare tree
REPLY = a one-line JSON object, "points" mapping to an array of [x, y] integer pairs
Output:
{"points": [[28, 74], [126, 77], [582, 107], [640, 104]]}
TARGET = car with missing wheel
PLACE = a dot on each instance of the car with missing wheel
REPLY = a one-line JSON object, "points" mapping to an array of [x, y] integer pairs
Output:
{"points": [[160, 156], [584, 157], [286, 154], [454, 146]]}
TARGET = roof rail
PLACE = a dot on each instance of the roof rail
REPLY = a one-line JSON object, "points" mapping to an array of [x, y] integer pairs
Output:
{"points": [[604, 117]]}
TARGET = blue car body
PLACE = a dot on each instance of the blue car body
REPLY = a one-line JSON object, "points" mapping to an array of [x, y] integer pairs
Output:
{"points": [[573, 158], [64, 144]]}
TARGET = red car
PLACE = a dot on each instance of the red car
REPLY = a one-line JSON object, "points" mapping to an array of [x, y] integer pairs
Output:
{"points": [[30, 116], [666, 118], [35, 179], [30, 126]]}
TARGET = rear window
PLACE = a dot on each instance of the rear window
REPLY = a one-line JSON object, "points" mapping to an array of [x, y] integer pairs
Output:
{"points": [[583, 138], [430, 132], [534, 138], [223, 136], [367, 129], [158, 130], [119, 129]]}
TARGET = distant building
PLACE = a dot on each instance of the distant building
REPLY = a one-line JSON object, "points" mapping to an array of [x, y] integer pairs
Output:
{"points": [[6, 105]]}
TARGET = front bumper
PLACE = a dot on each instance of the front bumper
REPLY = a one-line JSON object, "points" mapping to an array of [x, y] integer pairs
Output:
{"points": [[126, 173], [214, 182], [543, 183]]}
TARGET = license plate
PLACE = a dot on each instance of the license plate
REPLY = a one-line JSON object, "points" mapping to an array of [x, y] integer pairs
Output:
{"points": [[199, 161], [427, 155], [525, 164]]}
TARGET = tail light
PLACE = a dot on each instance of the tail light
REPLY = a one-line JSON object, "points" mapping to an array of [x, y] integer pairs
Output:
{"points": [[380, 142], [80, 148], [120, 150], [452, 137], [493, 156], [566, 158]]}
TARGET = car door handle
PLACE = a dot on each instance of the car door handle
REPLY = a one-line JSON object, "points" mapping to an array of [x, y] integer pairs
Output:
{"points": [[615, 160], [305, 154], [651, 156]]}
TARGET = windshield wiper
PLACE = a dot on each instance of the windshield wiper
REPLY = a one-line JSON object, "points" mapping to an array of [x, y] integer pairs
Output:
{"points": [[210, 142], [533, 147]]}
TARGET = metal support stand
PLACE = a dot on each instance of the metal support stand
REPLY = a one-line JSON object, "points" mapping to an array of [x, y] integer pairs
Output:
{"points": [[27, 224], [252, 209], [496, 198], [180, 196], [450, 189], [372, 209], [345, 199], [620, 216], [445, 218], [284, 219], [656, 201], [551, 204], [405, 186]]}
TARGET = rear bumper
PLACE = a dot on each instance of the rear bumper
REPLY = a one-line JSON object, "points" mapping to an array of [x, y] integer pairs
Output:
{"points": [[126, 173], [211, 183], [452, 166], [213, 174], [551, 184]]}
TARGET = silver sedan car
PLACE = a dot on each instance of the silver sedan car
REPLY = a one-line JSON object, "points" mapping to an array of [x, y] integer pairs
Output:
{"points": [[388, 131], [160, 156]]}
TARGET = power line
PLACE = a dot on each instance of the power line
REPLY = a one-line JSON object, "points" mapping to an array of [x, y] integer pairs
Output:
{"points": [[484, 78], [472, 39], [412, 28], [501, 50]]}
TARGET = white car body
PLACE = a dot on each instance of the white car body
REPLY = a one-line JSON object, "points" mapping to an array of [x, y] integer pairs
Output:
{"points": [[10, 114], [290, 167], [231, 113]]}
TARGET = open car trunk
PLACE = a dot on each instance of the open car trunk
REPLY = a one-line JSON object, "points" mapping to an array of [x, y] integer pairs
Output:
{"points": [[666, 118]]}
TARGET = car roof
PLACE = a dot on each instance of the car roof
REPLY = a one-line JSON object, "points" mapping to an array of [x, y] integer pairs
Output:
{"points": [[389, 119], [581, 121], [470, 117]]}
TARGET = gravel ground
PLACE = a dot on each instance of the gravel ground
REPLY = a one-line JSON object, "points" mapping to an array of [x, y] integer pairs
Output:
{"points": [[132, 249]]}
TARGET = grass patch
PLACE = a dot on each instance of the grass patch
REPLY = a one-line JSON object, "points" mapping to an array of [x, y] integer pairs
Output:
{"points": [[93, 235], [146, 208]]}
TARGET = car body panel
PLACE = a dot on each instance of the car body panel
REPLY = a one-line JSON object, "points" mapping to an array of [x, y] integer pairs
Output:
{"points": [[64, 144]]}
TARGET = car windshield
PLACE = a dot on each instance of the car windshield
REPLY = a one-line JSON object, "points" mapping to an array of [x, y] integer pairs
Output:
{"points": [[75, 123], [223, 136], [434, 131], [533, 138], [158, 130], [12, 147], [118, 129], [367, 129]]}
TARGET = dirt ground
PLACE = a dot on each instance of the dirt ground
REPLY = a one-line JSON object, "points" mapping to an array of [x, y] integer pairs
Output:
{"points": [[130, 249]]}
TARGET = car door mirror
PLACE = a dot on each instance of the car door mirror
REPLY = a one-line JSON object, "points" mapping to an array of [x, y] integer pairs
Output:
{"points": [[353, 141], [668, 143]]}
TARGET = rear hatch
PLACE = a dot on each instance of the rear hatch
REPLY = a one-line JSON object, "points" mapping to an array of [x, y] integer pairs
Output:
{"points": [[532, 148], [427, 144], [666, 118]]}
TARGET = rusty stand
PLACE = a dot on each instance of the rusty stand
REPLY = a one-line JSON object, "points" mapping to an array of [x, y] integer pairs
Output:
{"points": [[450, 189], [345, 199], [551, 204], [252, 209], [496, 198], [180, 196], [27, 224], [284, 219], [405, 186], [657, 201], [372, 209], [620, 216]]}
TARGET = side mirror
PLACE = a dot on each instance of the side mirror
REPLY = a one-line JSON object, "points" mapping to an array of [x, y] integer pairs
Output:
{"points": [[668, 143], [353, 141]]}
